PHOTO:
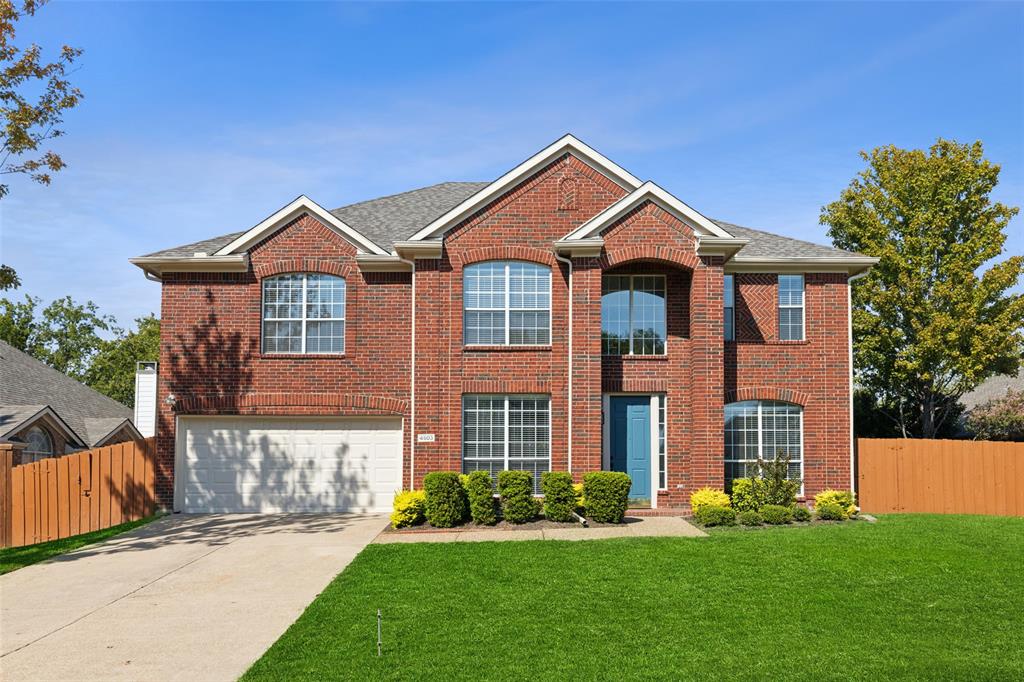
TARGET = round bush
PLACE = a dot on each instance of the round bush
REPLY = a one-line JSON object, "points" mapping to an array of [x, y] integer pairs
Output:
{"points": [[747, 494], [607, 494], [715, 516], [707, 497], [776, 514], [801, 514], [559, 495], [480, 490], [408, 508], [843, 498], [749, 518], [830, 511], [446, 504], [516, 491]]}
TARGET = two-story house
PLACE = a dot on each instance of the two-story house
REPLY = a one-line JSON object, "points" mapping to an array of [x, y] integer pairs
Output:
{"points": [[566, 316]]}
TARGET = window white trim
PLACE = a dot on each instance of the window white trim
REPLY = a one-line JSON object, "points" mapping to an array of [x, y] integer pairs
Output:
{"points": [[508, 309], [304, 318], [38, 454], [760, 435], [632, 284], [780, 306]]}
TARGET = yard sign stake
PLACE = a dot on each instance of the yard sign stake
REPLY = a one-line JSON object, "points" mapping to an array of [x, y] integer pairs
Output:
{"points": [[378, 632]]}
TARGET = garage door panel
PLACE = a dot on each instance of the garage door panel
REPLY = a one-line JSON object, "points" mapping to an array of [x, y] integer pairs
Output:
{"points": [[281, 464]]}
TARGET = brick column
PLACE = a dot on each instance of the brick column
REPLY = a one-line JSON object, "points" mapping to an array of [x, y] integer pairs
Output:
{"points": [[707, 376]]}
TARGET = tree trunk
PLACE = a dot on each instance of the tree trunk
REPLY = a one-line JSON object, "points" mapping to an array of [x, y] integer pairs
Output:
{"points": [[928, 425]]}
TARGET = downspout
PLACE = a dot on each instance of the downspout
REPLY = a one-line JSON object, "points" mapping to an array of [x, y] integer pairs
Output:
{"points": [[849, 329], [568, 262], [412, 379]]}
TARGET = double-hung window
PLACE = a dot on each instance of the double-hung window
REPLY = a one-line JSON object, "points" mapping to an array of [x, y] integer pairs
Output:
{"points": [[502, 432], [729, 316], [791, 307], [304, 313], [506, 303], [762, 429], [633, 315]]}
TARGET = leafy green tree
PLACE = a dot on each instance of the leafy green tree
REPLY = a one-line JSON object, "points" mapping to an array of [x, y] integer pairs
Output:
{"points": [[999, 419], [17, 321], [34, 95], [8, 278], [934, 318], [112, 371]]}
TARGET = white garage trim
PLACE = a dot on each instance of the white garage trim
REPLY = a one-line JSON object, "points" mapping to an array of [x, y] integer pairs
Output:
{"points": [[270, 464]]}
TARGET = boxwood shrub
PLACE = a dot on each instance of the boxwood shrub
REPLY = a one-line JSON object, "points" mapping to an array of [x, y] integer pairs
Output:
{"points": [[709, 515], [559, 495], [707, 497], [607, 494], [801, 514], [830, 511], [844, 499], [480, 490], [409, 508], [747, 494], [446, 504], [776, 514], [749, 518], [516, 491]]}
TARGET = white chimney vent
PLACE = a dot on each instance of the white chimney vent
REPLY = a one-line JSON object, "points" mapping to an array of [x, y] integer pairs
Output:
{"points": [[145, 398]]}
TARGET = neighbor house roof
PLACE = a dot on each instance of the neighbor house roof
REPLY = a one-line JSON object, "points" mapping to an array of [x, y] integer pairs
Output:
{"points": [[992, 388], [28, 387]]}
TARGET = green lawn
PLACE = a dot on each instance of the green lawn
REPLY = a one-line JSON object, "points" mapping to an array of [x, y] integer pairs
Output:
{"points": [[13, 558], [921, 597]]}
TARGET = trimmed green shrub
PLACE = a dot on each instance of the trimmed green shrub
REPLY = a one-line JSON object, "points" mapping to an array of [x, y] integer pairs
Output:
{"points": [[480, 490], [707, 497], [607, 494], [844, 499], [747, 494], [777, 488], [409, 508], [516, 491], [559, 496], [749, 518], [830, 511], [801, 514], [777, 515], [709, 515], [446, 504]]}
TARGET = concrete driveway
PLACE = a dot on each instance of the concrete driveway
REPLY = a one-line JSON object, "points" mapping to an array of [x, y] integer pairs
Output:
{"points": [[185, 597]]}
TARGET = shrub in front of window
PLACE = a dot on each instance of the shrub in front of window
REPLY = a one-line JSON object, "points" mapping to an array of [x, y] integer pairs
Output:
{"points": [[480, 491], [446, 504], [776, 515], [844, 499], [747, 494], [516, 491], [607, 494], [801, 514], [409, 508], [711, 515], [708, 497], [749, 518], [778, 488], [581, 501], [559, 495], [830, 511]]}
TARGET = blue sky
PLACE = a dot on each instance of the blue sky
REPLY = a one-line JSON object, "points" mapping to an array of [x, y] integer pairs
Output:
{"points": [[202, 119]]}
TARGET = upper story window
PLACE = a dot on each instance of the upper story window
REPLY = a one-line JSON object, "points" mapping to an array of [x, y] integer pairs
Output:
{"points": [[39, 445], [729, 317], [506, 303], [762, 429], [633, 315], [304, 313], [791, 307]]}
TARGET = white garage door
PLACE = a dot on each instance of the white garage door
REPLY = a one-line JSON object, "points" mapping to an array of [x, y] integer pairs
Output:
{"points": [[288, 464]]}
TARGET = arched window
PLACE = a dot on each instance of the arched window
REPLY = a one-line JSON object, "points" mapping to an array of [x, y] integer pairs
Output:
{"points": [[40, 445], [304, 313], [506, 303], [762, 429]]}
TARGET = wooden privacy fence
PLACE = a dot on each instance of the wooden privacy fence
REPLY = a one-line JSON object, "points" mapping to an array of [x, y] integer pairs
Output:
{"points": [[940, 476], [63, 496]]}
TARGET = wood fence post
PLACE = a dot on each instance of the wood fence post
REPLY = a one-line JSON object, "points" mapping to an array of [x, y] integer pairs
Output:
{"points": [[6, 499]]}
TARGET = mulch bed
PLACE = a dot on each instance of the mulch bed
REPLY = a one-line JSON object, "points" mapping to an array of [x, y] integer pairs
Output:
{"points": [[539, 524]]}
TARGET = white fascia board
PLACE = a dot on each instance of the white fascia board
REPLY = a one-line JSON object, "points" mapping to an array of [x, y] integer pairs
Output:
{"points": [[157, 265], [302, 204], [425, 249], [568, 143], [648, 191], [372, 262], [848, 264], [581, 247]]}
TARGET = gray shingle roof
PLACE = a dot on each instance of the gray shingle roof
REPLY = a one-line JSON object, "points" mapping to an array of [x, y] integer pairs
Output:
{"points": [[27, 385], [393, 218], [992, 388]]}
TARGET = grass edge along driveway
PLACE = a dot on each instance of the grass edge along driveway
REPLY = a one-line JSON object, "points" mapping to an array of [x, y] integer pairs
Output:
{"points": [[912, 597], [13, 558]]}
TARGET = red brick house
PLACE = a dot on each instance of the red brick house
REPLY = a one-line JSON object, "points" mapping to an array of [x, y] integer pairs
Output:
{"points": [[566, 316]]}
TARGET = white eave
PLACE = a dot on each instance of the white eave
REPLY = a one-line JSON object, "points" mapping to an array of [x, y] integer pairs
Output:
{"points": [[851, 265], [567, 144], [648, 192], [428, 248], [373, 262], [580, 248], [156, 266], [285, 215]]}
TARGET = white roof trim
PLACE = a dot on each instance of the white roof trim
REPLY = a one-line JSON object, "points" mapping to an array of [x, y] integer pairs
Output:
{"points": [[301, 205], [647, 191], [46, 411], [103, 441], [568, 143]]}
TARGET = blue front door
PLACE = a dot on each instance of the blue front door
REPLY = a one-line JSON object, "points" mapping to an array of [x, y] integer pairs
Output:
{"points": [[630, 441]]}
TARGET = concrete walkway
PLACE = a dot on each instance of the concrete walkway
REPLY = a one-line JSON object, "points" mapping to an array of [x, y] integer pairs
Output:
{"points": [[183, 598], [634, 527]]}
